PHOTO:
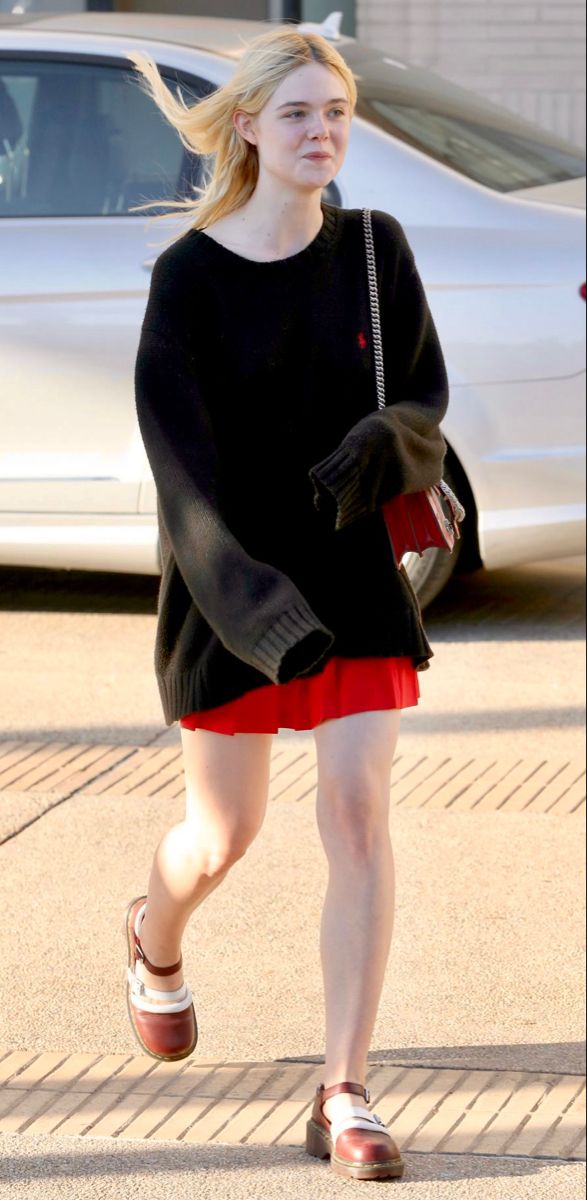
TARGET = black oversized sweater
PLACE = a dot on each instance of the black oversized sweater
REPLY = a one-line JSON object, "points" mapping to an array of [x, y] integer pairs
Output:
{"points": [[257, 405]]}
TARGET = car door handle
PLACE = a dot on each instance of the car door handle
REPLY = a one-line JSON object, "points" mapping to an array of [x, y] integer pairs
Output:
{"points": [[149, 263]]}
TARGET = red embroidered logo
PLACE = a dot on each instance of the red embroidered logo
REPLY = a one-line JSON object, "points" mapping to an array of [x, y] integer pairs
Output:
{"points": [[362, 340]]}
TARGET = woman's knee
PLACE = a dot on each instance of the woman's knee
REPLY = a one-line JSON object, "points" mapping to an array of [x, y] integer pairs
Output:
{"points": [[355, 755], [353, 816], [189, 849], [227, 783], [224, 850], [211, 849]]}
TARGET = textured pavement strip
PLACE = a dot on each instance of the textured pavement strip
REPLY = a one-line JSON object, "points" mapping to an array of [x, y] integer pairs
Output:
{"points": [[482, 784], [62, 772], [62, 769], [430, 1110], [552, 782], [21, 766], [115, 779], [293, 776], [11, 752], [147, 772], [54, 761]]}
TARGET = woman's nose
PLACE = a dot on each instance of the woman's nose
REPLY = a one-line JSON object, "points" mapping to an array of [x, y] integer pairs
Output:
{"points": [[319, 128]]}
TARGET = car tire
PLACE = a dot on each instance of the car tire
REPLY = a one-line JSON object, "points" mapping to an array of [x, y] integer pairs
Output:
{"points": [[430, 573]]}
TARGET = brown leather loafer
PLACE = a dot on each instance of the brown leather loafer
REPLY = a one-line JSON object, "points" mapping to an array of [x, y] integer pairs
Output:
{"points": [[358, 1143], [164, 1023]]}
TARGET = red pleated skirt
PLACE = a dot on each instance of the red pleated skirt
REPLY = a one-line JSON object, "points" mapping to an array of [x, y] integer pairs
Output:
{"points": [[344, 686]]}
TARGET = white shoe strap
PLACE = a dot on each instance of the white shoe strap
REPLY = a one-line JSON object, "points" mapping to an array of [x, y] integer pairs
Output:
{"points": [[139, 917], [163, 1009], [356, 1118], [141, 989]]}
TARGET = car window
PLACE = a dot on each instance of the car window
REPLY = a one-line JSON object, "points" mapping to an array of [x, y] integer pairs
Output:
{"points": [[481, 140], [82, 139]]}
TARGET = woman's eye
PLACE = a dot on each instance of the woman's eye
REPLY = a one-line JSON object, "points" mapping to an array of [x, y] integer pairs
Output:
{"points": [[299, 113]]}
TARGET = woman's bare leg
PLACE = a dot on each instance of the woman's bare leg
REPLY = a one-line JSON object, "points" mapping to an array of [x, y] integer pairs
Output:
{"points": [[355, 754], [227, 784]]}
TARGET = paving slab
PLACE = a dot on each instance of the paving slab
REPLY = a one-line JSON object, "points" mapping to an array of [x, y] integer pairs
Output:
{"points": [[430, 1110]]}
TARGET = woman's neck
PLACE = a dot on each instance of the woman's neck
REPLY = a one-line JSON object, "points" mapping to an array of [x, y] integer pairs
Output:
{"points": [[276, 223]]}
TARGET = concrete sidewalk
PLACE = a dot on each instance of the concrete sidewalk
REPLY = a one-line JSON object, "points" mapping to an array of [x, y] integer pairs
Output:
{"points": [[70, 1169], [476, 1057]]}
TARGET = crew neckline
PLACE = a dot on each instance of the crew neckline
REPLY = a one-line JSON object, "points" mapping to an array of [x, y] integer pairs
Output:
{"points": [[317, 247]]}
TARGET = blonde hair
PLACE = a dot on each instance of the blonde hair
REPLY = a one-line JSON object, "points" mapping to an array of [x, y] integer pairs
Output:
{"points": [[206, 127]]}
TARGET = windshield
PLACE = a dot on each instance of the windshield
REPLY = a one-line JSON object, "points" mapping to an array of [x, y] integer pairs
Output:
{"points": [[466, 132]]}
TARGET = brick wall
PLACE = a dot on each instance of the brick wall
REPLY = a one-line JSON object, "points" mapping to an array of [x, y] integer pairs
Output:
{"points": [[529, 57]]}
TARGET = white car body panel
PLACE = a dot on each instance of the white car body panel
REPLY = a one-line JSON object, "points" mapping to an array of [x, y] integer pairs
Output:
{"points": [[502, 275]]}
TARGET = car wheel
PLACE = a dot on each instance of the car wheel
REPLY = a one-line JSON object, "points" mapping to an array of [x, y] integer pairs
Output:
{"points": [[430, 573]]}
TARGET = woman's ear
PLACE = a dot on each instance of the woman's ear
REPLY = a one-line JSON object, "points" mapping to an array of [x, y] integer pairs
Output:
{"points": [[243, 123]]}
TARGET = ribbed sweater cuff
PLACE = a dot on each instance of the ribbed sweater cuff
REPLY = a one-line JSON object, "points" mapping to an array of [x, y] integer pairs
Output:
{"points": [[339, 475], [292, 645]]}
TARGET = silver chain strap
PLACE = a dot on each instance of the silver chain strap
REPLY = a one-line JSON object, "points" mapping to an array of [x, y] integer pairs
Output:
{"points": [[375, 311], [378, 341]]}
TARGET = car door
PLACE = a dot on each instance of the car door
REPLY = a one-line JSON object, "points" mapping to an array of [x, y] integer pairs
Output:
{"points": [[80, 145]]}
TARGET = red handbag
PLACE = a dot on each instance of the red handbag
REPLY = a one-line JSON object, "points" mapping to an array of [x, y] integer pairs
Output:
{"points": [[415, 521], [418, 520]]}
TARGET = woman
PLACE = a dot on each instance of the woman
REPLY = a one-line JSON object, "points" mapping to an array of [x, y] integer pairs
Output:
{"points": [[280, 602]]}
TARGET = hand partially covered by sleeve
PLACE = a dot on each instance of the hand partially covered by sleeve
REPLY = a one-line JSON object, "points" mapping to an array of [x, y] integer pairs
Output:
{"points": [[399, 448]]}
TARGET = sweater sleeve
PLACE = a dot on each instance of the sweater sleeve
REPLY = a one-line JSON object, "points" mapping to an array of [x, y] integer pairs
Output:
{"points": [[399, 448], [256, 611]]}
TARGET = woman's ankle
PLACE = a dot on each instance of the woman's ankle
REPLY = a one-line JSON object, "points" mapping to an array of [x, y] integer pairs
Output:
{"points": [[161, 950], [159, 955], [162, 983]]}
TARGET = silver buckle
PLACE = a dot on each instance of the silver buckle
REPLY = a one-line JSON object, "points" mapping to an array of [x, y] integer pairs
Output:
{"points": [[367, 1095], [137, 986]]}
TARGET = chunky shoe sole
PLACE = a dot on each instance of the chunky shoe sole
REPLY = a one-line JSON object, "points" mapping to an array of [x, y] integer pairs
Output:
{"points": [[128, 925], [319, 1145]]}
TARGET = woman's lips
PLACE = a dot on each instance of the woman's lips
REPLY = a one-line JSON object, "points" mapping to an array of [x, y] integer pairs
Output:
{"points": [[317, 156]]}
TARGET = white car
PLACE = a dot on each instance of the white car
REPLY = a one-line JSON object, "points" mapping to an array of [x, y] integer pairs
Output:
{"points": [[492, 206]]}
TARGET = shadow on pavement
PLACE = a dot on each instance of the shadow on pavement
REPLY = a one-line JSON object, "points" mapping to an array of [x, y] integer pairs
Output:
{"points": [[78, 1158], [545, 1057], [537, 599]]}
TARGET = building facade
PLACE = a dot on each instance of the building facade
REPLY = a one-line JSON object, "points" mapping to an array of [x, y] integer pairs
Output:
{"points": [[530, 57]]}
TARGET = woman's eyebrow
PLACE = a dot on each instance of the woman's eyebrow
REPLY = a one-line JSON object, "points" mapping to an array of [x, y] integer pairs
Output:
{"points": [[304, 103]]}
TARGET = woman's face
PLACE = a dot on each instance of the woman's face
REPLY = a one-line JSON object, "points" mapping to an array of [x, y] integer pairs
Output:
{"points": [[302, 132]]}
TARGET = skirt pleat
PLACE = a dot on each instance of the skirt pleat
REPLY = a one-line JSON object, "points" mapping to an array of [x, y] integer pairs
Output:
{"points": [[344, 686]]}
